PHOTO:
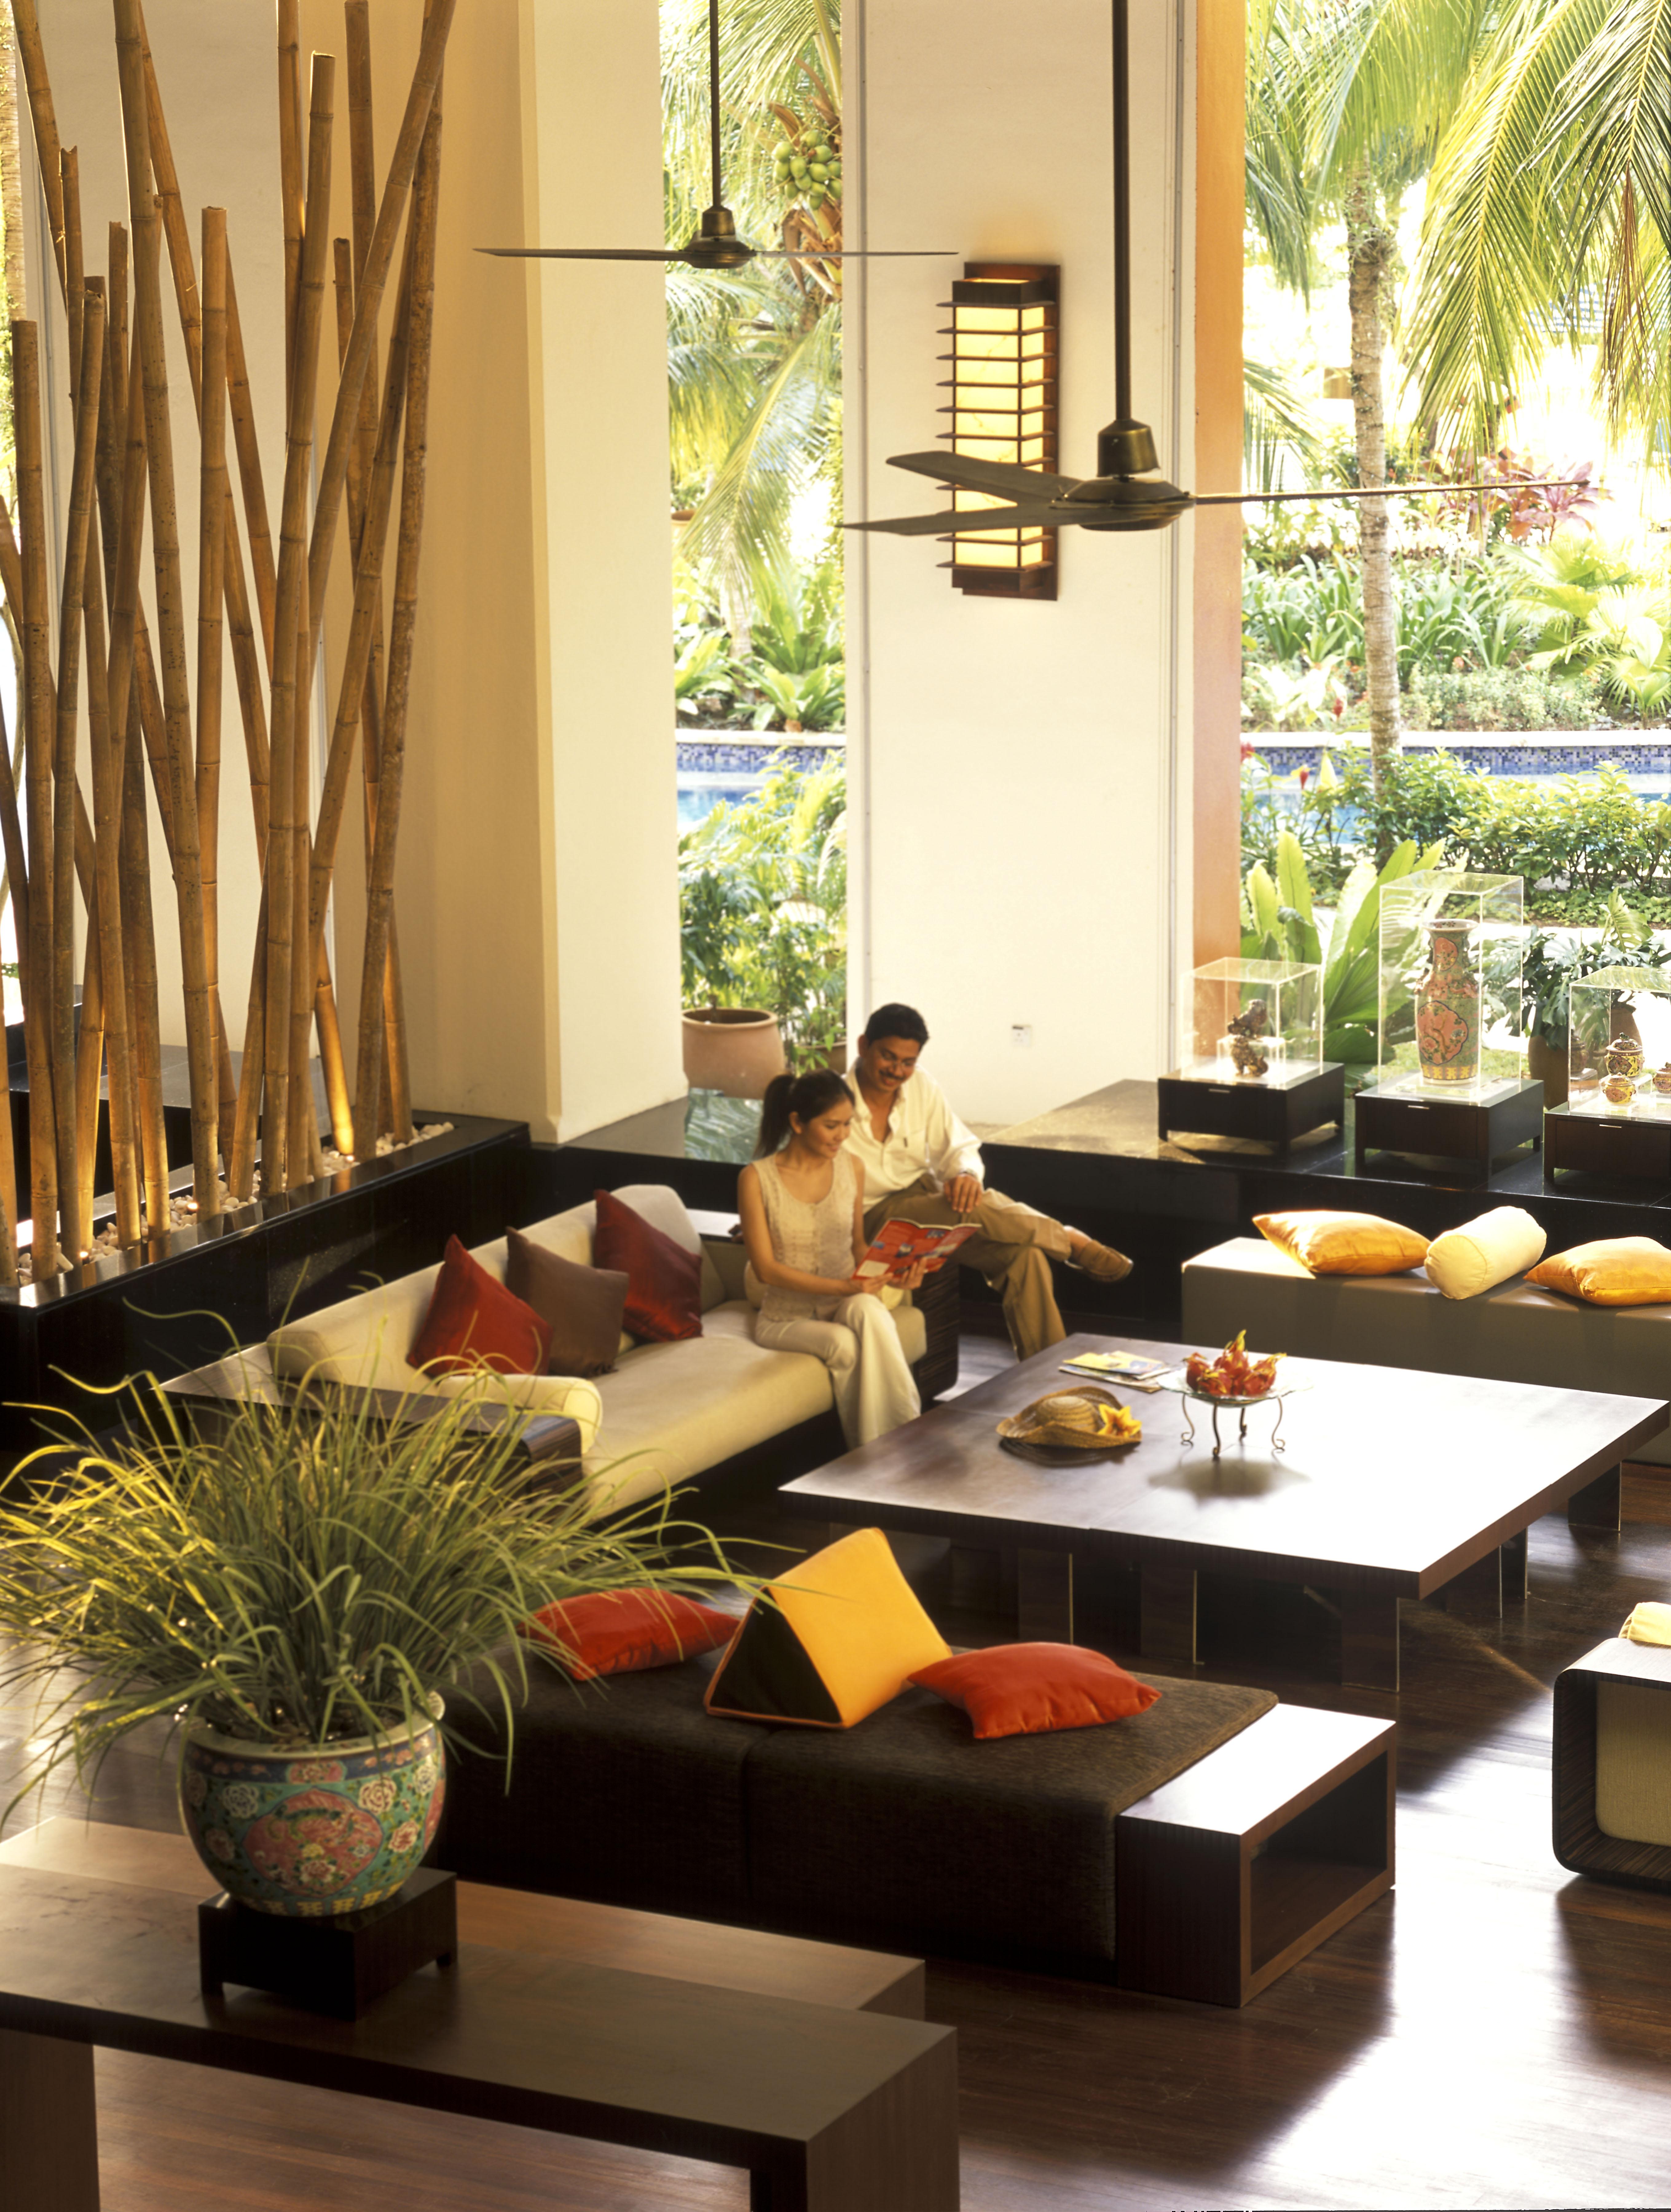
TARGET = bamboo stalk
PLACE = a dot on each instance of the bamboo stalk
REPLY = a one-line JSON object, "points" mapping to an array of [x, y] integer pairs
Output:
{"points": [[77, 1232], [175, 233], [303, 1115], [426, 79], [125, 610], [139, 942], [213, 512], [291, 159], [90, 1066], [171, 625], [108, 762], [249, 470], [402, 631], [240, 1166], [74, 273], [362, 166], [38, 769], [287, 676], [398, 1074], [12, 836], [32, 56]]}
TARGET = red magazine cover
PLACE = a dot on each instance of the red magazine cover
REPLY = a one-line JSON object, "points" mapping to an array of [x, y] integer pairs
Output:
{"points": [[898, 1245]]}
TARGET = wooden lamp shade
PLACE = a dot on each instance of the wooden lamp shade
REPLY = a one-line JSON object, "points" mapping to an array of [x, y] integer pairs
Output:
{"points": [[1003, 408]]}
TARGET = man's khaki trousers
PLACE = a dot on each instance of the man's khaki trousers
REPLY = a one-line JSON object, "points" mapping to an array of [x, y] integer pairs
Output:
{"points": [[1013, 1251]]}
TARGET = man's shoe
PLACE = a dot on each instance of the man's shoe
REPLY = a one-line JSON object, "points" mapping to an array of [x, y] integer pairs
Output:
{"points": [[1101, 1260]]}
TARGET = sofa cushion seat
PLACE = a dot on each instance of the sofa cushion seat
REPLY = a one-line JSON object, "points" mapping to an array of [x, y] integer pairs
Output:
{"points": [[901, 1832], [1514, 1333], [671, 1410]]}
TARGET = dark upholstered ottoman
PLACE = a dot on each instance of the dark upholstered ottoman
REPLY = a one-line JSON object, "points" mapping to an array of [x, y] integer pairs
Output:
{"points": [[903, 1830]]}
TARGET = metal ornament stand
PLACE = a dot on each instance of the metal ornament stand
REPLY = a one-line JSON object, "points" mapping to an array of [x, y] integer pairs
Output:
{"points": [[1243, 1406]]}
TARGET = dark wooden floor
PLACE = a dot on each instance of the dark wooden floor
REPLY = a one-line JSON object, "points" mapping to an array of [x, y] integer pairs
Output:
{"points": [[1494, 2033]]}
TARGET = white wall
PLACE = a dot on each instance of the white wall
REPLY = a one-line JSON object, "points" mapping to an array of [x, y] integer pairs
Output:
{"points": [[1014, 760]]}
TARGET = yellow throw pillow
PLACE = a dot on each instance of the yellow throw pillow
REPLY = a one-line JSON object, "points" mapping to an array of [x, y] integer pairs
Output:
{"points": [[1614, 1271], [1327, 1243], [1482, 1253], [835, 1640]]}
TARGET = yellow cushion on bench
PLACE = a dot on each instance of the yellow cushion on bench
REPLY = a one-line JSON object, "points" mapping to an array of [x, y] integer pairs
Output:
{"points": [[1327, 1243], [1483, 1253], [1614, 1271]]}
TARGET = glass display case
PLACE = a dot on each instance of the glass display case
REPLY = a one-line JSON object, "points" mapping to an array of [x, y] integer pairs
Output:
{"points": [[1619, 1043], [1451, 1023], [1253, 1022]]}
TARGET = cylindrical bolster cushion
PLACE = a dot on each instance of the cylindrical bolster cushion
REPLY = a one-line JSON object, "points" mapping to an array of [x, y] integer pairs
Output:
{"points": [[1482, 1253]]}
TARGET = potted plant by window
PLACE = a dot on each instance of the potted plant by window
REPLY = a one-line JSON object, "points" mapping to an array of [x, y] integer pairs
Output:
{"points": [[1549, 965], [299, 1596]]}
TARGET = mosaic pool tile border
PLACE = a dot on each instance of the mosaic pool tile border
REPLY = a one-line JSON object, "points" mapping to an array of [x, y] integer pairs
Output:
{"points": [[739, 754], [1558, 753]]}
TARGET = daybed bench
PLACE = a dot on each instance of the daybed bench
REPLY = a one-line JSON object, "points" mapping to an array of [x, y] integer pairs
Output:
{"points": [[667, 1412], [1196, 1850], [1514, 1333]]}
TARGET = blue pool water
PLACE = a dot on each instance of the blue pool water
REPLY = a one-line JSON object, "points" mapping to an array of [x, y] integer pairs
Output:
{"points": [[699, 793]]}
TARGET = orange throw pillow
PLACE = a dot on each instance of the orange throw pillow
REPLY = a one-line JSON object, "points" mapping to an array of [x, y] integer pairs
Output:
{"points": [[1034, 1689], [1327, 1243], [473, 1321], [1614, 1271], [629, 1630]]}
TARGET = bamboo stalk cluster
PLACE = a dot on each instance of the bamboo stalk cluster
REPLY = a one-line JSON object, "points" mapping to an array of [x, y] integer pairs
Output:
{"points": [[148, 694]]}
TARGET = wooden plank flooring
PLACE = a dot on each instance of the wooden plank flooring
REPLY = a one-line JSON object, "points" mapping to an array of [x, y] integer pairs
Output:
{"points": [[1496, 2033]]}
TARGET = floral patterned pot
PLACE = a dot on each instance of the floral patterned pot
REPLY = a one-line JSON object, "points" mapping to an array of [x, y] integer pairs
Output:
{"points": [[331, 1829], [1448, 1006]]}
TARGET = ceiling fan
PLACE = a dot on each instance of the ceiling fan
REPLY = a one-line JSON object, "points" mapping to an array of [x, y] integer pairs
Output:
{"points": [[1124, 494], [714, 244]]}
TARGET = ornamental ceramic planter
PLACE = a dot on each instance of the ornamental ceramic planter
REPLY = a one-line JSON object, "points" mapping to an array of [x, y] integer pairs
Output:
{"points": [[736, 1049], [329, 1829], [1448, 1006]]}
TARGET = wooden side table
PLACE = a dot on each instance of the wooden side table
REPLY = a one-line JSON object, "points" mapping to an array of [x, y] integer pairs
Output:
{"points": [[1581, 1696]]}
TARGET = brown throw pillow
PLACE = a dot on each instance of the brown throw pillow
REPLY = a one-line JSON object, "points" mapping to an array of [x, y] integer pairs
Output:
{"points": [[581, 1306]]}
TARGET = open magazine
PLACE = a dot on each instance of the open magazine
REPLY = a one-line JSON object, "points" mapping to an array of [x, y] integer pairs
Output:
{"points": [[898, 1245]]}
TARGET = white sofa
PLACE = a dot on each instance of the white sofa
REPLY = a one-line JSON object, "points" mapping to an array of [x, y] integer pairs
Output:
{"points": [[667, 1412]]}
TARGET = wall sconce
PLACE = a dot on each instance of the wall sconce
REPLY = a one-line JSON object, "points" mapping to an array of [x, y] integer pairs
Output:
{"points": [[1003, 408]]}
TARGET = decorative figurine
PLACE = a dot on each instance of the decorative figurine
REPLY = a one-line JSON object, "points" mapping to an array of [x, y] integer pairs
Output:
{"points": [[1618, 1090], [1447, 1006], [1246, 1057], [1622, 1056]]}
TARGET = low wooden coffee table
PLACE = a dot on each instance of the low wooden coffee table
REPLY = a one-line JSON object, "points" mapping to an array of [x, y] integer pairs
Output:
{"points": [[1392, 1484], [804, 2063]]}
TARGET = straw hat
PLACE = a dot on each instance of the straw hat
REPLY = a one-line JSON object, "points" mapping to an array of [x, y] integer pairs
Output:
{"points": [[1088, 1419]]}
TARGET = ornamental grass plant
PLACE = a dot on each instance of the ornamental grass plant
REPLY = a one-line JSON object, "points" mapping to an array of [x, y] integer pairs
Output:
{"points": [[299, 1574]]}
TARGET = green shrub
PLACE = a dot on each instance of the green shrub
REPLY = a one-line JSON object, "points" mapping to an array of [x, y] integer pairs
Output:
{"points": [[1500, 699]]}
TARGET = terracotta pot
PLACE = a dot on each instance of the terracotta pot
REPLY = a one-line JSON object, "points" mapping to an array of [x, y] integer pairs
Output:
{"points": [[329, 1829], [736, 1049], [1547, 1064]]}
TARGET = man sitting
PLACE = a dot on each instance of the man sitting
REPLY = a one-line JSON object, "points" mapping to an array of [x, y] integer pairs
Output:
{"points": [[921, 1163]]}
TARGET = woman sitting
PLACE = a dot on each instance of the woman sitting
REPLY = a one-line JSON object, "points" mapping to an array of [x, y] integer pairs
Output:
{"points": [[802, 1204]]}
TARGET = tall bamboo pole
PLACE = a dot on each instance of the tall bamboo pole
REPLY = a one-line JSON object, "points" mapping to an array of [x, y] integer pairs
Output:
{"points": [[344, 421], [171, 625], [247, 445], [106, 756], [139, 942], [74, 276], [381, 889], [291, 162], [33, 55], [213, 512], [77, 1233], [36, 627], [287, 676]]}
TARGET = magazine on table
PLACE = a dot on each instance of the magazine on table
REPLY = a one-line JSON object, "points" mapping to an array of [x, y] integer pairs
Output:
{"points": [[1104, 1366], [897, 1246]]}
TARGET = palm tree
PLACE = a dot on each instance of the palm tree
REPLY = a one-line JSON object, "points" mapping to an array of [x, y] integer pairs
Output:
{"points": [[1549, 212], [754, 356], [1346, 100]]}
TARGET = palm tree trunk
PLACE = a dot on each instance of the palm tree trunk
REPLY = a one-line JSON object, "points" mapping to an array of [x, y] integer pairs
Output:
{"points": [[1369, 256]]}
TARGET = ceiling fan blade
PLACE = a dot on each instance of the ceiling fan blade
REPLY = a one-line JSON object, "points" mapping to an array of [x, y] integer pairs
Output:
{"points": [[855, 253], [1006, 478], [584, 253], [967, 520], [1373, 491]]}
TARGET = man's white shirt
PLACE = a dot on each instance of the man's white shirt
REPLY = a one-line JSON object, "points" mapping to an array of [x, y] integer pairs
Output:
{"points": [[925, 1137]]}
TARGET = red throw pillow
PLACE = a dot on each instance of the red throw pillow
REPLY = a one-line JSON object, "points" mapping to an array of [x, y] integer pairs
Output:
{"points": [[664, 1281], [1032, 1689], [475, 1322], [625, 1631]]}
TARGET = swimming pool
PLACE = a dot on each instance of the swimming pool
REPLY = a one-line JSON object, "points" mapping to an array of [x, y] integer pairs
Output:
{"points": [[700, 793]]}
